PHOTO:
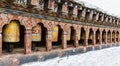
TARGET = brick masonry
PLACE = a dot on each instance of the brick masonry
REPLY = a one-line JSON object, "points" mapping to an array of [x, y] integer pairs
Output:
{"points": [[105, 31]]}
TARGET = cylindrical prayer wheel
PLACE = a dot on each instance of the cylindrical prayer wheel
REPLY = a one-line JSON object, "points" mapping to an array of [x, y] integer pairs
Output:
{"points": [[55, 32], [11, 32], [36, 33], [79, 34], [90, 36], [68, 34], [88, 33]]}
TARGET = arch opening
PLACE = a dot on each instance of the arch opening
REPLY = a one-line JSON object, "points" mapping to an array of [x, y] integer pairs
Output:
{"points": [[90, 37], [82, 37], [117, 36], [98, 37], [70, 37], [113, 37], [13, 37], [57, 37], [39, 37], [109, 37], [103, 36]]}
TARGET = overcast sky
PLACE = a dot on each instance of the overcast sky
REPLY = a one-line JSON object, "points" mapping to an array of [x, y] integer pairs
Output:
{"points": [[112, 6]]}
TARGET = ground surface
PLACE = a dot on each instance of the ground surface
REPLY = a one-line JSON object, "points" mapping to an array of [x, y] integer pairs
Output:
{"points": [[105, 57]]}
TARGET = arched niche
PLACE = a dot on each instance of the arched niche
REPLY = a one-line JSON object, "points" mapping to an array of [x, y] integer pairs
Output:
{"points": [[90, 37], [82, 37], [13, 36], [98, 36], [57, 37], [113, 37], [70, 40], [109, 37], [39, 37], [103, 36], [117, 36]]}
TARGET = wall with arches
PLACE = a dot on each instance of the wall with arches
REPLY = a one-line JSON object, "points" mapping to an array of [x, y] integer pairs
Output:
{"points": [[82, 35]]}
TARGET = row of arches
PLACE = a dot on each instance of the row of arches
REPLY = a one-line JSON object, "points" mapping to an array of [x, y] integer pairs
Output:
{"points": [[14, 37]]}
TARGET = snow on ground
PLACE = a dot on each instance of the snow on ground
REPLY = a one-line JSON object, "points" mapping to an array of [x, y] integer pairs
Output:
{"points": [[105, 57]]}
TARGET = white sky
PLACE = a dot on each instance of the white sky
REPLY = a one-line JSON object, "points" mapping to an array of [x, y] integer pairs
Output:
{"points": [[111, 6]]}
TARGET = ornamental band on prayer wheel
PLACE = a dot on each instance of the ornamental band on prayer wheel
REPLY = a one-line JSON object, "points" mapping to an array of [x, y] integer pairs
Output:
{"points": [[55, 34], [36, 33]]}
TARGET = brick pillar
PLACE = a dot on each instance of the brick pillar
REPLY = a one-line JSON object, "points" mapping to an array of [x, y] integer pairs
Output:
{"points": [[51, 4], [86, 37], [84, 12], [48, 40], [75, 11], [110, 19], [94, 38], [100, 38], [0, 44], [28, 41], [35, 2], [65, 8], [102, 19], [64, 39], [106, 37], [97, 16], [91, 15], [76, 38], [106, 20]]}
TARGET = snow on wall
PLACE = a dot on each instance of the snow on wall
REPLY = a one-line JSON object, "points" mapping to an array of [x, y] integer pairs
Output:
{"points": [[86, 4]]}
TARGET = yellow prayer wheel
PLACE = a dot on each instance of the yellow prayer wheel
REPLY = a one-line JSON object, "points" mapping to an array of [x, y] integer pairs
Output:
{"points": [[68, 34], [36, 33], [55, 32], [79, 34], [11, 32], [90, 36]]}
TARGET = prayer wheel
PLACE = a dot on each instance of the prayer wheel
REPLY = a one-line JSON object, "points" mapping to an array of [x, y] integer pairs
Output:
{"points": [[36, 33], [88, 33], [11, 32], [55, 32], [79, 34], [68, 34]]}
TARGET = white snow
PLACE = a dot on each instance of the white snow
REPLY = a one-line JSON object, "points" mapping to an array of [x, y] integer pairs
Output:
{"points": [[84, 3], [105, 57], [89, 5]]}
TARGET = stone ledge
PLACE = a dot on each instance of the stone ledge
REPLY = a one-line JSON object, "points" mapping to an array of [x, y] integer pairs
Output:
{"points": [[14, 60], [97, 47]]}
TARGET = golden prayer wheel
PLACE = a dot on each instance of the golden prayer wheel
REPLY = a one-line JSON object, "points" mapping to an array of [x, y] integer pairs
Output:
{"points": [[11, 32], [90, 36], [68, 34], [36, 33], [55, 32], [79, 34]]}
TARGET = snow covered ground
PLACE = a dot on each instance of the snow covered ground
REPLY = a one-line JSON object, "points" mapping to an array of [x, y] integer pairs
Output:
{"points": [[105, 57]]}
